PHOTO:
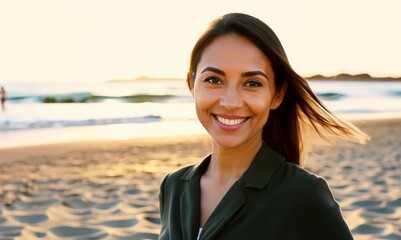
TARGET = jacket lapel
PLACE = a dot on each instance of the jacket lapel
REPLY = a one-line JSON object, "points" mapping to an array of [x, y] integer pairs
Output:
{"points": [[190, 210], [190, 201], [228, 207]]}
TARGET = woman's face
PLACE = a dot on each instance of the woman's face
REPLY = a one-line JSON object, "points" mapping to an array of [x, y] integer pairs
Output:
{"points": [[234, 91]]}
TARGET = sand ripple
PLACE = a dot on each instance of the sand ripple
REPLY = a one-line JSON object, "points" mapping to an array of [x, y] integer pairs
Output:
{"points": [[106, 192]]}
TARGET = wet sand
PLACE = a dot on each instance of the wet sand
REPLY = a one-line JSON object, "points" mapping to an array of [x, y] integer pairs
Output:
{"points": [[109, 189]]}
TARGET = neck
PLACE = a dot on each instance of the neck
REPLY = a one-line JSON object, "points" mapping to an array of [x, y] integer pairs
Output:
{"points": [[228, 164]]}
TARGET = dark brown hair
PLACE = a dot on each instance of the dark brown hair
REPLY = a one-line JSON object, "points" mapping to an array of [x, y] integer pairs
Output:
{"points": [[282, 132]]}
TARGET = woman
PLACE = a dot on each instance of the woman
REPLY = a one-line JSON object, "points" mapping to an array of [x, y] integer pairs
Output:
{"points": [[253, 106]]}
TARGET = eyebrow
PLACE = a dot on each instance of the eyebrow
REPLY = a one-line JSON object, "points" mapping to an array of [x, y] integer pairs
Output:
{"points": [[254, 73], [212, 69], [246, 74]]}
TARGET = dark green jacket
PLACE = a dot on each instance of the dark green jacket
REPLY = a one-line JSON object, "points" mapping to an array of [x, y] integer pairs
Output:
{"points": [[273, 200]]}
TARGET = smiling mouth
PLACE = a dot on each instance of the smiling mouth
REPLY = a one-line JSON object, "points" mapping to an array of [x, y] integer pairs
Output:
{"points": [[230, 122]]}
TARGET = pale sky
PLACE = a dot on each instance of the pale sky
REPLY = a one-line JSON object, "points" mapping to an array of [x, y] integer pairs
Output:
{"points": [[87, 41]]}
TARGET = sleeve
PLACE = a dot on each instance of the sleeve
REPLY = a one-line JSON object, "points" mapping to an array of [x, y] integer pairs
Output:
{"points": [[320, 213]]}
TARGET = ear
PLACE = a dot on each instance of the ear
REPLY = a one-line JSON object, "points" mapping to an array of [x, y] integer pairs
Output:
{"points": [[191, 81], [278, 98]]}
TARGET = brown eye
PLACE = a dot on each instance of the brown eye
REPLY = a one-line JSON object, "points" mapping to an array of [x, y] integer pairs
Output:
{"points": [[253, 83], [212, 80]]}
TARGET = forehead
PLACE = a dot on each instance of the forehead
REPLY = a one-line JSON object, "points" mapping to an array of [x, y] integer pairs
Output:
{"points": [[234, 51]]}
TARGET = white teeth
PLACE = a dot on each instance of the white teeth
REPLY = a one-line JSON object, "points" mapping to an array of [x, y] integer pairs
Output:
{"points": [[230, 122]]}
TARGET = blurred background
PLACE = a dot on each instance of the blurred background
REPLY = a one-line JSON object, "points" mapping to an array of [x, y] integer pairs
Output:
{"points": [[69, 67]]}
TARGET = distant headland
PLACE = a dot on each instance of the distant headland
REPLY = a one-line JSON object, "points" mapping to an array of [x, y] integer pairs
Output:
{"points": [[145, 78], [338, 77], [350, 77]]}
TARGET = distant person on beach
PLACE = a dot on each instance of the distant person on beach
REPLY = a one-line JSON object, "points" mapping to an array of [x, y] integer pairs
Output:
{"points": [[254, 107], [3, 97]]}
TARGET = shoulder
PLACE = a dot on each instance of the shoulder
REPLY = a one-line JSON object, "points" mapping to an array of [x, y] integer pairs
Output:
{"points": [[299, 176], [180, 174], [308, 188], [175, 179], [320, 212], [186, 174]]}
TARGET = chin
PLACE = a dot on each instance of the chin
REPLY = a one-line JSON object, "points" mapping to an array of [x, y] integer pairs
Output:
{"points": [[227, 142]]}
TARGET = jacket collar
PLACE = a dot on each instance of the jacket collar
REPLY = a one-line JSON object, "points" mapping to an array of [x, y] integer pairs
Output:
{"points": [[257, 176]]}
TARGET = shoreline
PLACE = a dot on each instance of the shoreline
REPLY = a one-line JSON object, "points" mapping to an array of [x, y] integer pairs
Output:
{"points": [[14, 153], [56, 149], [134, 131], [111, 132]]}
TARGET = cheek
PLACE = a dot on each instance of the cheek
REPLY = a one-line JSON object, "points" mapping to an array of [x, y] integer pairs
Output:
{"points": [[205, 97], [261, 111], [260, 103], [202, 100]]}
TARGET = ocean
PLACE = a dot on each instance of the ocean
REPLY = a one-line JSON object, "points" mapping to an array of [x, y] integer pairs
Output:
{"points": [[39, 114]]}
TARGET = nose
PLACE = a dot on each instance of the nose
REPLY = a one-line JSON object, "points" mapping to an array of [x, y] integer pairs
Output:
{"points": [[231, 99]]}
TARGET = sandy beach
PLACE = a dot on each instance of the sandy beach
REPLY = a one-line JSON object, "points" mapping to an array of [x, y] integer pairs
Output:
{"points": [[109, 189]]}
